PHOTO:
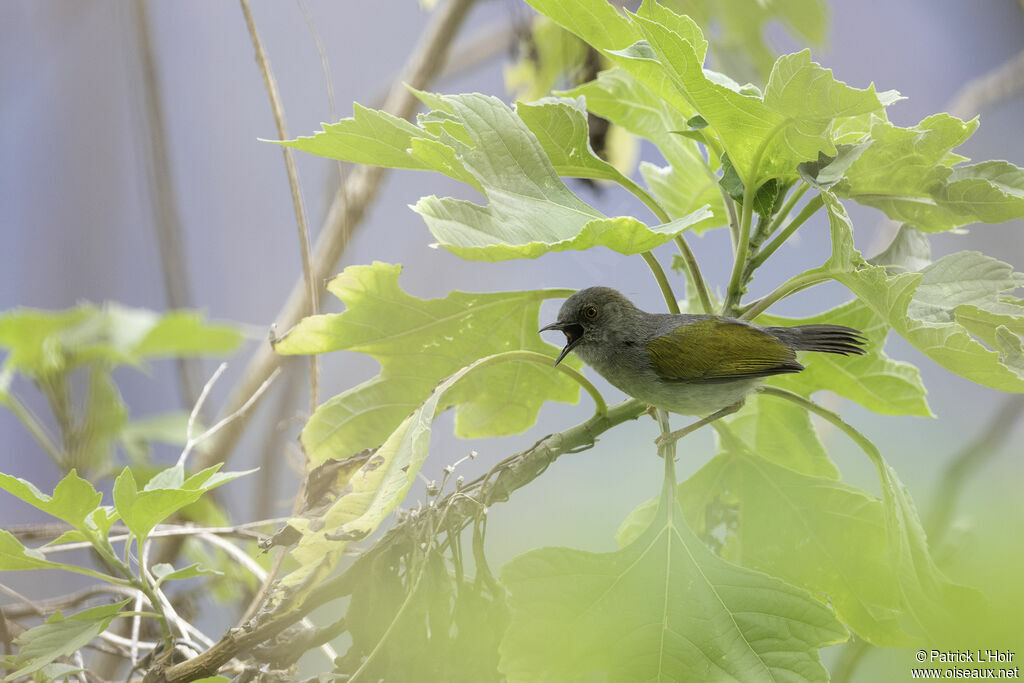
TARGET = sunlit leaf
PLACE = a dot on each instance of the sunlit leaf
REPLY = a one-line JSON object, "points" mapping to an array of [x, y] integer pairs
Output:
{"points": [[418, 343], [163, 495], [924, 307]]}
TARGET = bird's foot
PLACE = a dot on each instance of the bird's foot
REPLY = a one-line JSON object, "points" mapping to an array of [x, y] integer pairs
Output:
{"points": [[666, 439]]}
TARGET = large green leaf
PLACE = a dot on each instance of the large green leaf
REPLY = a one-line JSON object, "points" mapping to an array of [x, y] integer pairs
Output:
{"points": [[874, 380], [939, 307], [369, 137], [418, 343], [477, 139], [560, 126], [60, 636], [814, 532], [767, 137], [530, 211], [783, 434], [74, 499], [903, 172], [662, 608], [687, 183]]}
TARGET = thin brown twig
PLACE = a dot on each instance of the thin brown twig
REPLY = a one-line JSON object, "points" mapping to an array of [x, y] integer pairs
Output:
{"points": [[313, 302]]}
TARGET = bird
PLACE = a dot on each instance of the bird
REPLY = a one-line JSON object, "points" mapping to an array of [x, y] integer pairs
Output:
{"points": [[690, 364]]}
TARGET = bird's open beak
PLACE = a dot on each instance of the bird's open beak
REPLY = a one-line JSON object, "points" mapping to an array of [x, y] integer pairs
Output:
{"points": [[573, 336]]}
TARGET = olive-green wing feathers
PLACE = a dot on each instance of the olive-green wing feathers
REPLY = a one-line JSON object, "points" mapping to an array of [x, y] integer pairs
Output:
{"points": [[711, 351]]}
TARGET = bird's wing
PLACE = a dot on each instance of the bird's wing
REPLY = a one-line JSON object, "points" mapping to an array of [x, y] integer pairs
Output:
{"points": [[718, 350]]}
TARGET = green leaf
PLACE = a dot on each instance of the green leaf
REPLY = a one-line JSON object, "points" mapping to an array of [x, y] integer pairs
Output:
{"points": [[829, 170], [595, 21], [687, 183], [839, 530], [874, 380], [165, 572], [560, 126], [61, 636], [185, 333], [377, 487], [924, 307], [783, 434], [991, 192], [662, 608], [418, 343], [764, 138], [73, 499], [16, 557], [909, 250], [163, 495], [530, 211], [904, 174], [169, 428], [369, 137]]}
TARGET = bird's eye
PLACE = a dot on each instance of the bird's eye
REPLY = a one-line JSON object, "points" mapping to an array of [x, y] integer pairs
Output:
{"points": [[590, 312]]}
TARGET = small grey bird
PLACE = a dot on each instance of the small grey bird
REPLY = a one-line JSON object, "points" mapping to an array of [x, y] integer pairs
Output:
{"points": [[687, 364]]}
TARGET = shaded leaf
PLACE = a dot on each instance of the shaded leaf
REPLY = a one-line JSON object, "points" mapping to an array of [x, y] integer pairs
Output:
{"points": [[61, 636], [662, 608]]}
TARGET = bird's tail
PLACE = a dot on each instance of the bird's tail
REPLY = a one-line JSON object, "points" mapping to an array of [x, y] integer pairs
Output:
{"points": [[825, 338]]}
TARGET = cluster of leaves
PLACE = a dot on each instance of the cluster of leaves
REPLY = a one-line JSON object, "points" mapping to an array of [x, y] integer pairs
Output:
{"points": [[51, 349], [665, 602]]}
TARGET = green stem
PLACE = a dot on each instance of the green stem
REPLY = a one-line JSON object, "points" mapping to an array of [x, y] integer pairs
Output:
{"points": [[734, 220], [693, 269], [659, 275], [662, 215], [643, 195], [35, 427], [787, 288], [600, 407], [142, 582], [735, 290], [791, 201], [667, 450], [832, 418], [809, 210]]}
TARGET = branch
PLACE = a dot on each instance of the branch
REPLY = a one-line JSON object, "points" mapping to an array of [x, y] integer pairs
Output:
{"points": [[999, 84], [293, 184], [344, 215], [459, 507]]}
